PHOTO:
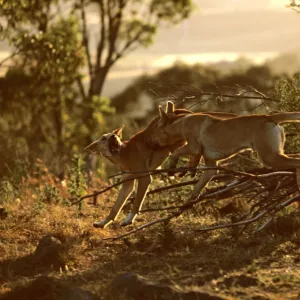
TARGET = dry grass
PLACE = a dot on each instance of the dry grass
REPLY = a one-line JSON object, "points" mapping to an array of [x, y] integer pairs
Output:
{"points": [[262, 266]]}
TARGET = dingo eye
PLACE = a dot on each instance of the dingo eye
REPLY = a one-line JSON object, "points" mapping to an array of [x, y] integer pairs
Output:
{"points": [[103, 138]]}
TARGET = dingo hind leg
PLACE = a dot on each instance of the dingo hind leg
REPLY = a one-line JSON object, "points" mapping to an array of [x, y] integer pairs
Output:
{"points": [[193, 150], [193, 162], [269, 145], [282, 161]]}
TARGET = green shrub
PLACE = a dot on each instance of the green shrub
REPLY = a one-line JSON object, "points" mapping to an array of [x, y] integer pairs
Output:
{"points": [[287, 94], [77, 180]]}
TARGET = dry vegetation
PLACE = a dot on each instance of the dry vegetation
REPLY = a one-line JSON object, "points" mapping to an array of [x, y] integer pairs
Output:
{"points": [[264, 265]]}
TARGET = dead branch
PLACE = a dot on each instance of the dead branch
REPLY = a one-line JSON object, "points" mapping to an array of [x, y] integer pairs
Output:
{"points": [[257, 217], [153, 172], [182, 209], [190, 92], [268, 193]]}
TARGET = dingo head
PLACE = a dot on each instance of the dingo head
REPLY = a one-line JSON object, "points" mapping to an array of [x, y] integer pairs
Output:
{"points": [[160, 136], [108, 144]]}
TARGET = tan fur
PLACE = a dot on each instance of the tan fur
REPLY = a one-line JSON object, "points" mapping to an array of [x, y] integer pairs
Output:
{"points": [[216, 139], [136, 155]]}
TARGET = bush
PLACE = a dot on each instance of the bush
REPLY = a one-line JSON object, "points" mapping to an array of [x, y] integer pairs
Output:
{"points": [[287, 94]]}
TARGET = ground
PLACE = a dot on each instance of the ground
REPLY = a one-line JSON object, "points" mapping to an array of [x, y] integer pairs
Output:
{"points": [[252, 266]]}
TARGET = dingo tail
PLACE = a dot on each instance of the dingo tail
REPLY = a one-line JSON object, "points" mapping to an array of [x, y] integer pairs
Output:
{"points": [[286, 117]]}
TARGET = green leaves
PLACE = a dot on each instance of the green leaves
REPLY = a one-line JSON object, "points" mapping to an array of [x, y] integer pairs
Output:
{"points": [[287, 93], [172, 11]]}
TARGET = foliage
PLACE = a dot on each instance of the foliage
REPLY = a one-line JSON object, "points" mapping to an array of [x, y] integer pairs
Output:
{"points": [[7, 190], [287, 93], [51, 194], [295, 5], [37, 91], [77, 181]]}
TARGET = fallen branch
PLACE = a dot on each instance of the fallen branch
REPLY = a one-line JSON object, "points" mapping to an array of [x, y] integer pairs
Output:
{"points": [[182, 209], [270, 190], [151, 172]]}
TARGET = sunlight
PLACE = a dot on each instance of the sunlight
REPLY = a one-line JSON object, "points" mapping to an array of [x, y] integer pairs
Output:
{"points": [[167, 60]]}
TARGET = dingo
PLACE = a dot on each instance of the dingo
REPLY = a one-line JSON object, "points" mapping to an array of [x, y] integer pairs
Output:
{"points": [[136, 155], [216, 139]]}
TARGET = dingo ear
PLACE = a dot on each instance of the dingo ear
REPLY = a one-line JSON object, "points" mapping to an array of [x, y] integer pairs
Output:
{"points": [[163, 116], [170, 107], [118, 131]]}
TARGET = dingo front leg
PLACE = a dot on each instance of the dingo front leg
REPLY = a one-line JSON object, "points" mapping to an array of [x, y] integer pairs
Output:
{"points": [[192, 163], [188, 149], [143, 184], [125, 192]]}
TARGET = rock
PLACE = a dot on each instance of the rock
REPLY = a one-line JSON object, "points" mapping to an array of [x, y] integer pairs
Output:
{"points": [[133, 286], [48, 288], [50, 252]]}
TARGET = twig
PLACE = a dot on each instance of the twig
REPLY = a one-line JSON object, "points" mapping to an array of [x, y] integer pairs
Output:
{"points": [[227, 225], [117, 237], [199, 92], [248, 221]]}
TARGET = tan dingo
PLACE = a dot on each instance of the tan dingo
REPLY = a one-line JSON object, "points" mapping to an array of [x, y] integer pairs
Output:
{"points": [[216, 139], [136, 155]]}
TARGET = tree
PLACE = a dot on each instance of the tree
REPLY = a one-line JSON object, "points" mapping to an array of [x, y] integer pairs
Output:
{"points": [[124, 25], [295, 5], [38, 91], [51, 41]]}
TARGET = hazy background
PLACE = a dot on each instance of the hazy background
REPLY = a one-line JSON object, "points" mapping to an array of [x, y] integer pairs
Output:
{"points": [[219, 31]]}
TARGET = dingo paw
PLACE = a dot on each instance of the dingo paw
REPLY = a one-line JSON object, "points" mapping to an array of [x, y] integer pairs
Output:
{"points": [[103, 223], [188, 173], [181, 174], [129, 220]]}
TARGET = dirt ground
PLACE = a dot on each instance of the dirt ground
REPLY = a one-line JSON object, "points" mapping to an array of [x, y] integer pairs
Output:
{"points": [[254, 266]]}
